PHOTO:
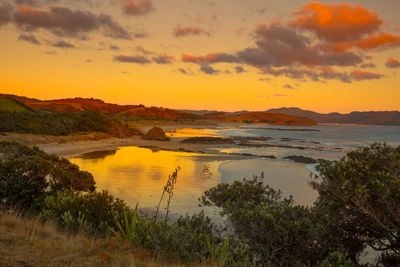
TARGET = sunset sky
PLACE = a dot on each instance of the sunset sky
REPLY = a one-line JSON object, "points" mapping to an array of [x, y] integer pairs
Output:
{"points": [[205, 54]]}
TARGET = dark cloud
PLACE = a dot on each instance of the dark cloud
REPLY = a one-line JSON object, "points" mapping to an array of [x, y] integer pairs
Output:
{"points": [[137, 8], [181, 31], [63, 21], [392, 63], [211, 58], [183, 71], [114, 47], [163, 59], [29, 38], [360, 75], [208, 70], [367, 66], [239, 69], [132, 59], [6, 13], [63, 44], [288, 86]]}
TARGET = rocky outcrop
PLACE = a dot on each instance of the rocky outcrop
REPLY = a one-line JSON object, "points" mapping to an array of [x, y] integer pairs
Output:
{"points": [[156, 133], [301, 159]]}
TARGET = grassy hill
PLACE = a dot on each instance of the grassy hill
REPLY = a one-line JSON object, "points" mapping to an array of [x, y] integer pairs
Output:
{"points": [[11, 105], [126, 113]]}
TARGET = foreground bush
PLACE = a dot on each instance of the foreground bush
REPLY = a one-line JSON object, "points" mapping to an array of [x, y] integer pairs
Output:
{"points": [[273, 229], [359, 196], [28, 174], [91, 212]]}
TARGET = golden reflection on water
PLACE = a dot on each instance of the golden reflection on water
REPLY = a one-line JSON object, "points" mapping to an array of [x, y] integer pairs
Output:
{"points": [[139, 175], [192, 132]]}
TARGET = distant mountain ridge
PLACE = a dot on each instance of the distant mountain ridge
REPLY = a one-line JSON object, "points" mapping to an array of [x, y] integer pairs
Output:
{"points": [[355, 117]]}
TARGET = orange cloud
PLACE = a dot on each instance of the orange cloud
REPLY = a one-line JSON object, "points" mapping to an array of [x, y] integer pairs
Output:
{"points": [[369, 42], [365, 75], [181, 31], [337, 22], [392, 63], [137, 8]]}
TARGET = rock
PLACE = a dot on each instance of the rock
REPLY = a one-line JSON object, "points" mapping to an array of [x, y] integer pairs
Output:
{"points": [[301, 159], [269, 157], [208, 140], [156, 133]]}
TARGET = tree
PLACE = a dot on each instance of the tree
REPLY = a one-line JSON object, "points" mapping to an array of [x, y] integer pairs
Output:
{"points": [[359, 195], [273, 229]]}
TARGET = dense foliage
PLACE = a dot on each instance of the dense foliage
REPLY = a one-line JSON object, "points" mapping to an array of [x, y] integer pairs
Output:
{"points": [[28, 174], [358, 206], [360, 197], [60, 123], [274, 229]]}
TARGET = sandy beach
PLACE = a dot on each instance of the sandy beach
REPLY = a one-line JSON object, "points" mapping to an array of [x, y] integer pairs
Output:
{"points": [[71, 145]]}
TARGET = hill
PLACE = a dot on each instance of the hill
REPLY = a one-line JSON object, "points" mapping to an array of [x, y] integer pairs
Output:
{"points": [[140, 112], [355, 117], [262, 117], [11, 105]]}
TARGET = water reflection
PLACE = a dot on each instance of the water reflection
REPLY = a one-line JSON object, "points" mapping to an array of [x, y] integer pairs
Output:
{"points": [[139, 175]]}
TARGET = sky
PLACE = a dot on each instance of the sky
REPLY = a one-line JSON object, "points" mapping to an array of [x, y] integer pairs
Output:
{"points": [[227, 55]]}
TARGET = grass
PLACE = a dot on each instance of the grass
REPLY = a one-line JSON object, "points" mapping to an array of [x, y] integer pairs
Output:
{"points": [[30, 242], [10, 105]]}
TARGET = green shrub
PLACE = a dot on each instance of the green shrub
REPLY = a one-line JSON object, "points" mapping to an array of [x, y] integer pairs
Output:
{"points": [[91, 212], [268, 228], [359, 196], [28, 175]]}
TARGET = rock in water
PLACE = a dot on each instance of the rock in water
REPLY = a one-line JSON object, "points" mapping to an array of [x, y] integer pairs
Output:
{"points": [[156, 133]]}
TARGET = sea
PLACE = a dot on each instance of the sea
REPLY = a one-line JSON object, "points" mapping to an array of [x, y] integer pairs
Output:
{"points": [[138, 175]]}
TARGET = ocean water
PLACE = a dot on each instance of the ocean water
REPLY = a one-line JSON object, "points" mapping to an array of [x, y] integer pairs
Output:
{"points": [[138, 175]]}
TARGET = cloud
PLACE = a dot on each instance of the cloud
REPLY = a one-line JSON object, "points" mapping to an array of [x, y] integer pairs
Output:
{"points": [[29, 38], [367, 66], [6, 13], [211, 58], [281, 95], [156, 57], [132, 59], [337, 22], [392, 63], [137, 8], [239, 69], [163, 59], [360, 75], [288, 86], [144, 51], [367, 43], [63, 21], [208, 70], [114, 47], [186, 71], [181, 31], [63, 44]]}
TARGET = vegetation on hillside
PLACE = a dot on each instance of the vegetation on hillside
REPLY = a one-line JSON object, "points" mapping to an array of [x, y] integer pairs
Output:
{"points": [[10, 105], [358, 206], [61, 123], [128, 113]]}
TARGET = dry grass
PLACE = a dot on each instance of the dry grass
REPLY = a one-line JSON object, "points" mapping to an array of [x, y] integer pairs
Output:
{"points": [[29, 242]]}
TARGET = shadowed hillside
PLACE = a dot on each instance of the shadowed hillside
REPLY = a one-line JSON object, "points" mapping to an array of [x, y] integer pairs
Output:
{"points": [[355, 117], [262, 117]]}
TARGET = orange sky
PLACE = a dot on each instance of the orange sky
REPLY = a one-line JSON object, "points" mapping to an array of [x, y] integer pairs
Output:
{"points": [[203, 54]]}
